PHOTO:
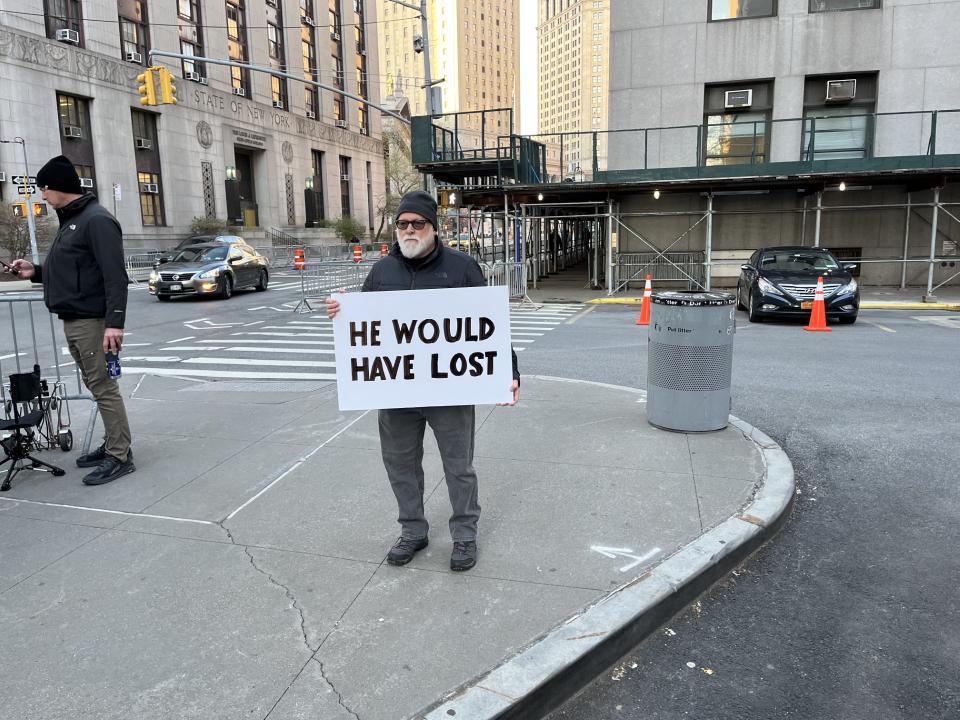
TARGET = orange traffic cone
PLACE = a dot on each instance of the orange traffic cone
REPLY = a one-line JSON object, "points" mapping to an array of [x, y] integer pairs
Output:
{"points": [[644, 318], [818, 316]]}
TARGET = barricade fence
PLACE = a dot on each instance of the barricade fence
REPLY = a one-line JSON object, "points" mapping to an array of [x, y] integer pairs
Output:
{"points": [[319, 279], [685, 267], [25, 347], [512, 274], [141, 264]]}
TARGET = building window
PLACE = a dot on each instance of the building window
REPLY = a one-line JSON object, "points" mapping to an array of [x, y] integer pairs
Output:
{"points": [[237, 45], [309, 56], [76, 137], [189, 10], [191, 38], [317, 168], [738, 9], [146, 153], [64, 15], [274, 42], [360, 40], [833, 5], [737, 123], [336, 54], [344, 185], [133, 30], [277, 56], [838, 116]]}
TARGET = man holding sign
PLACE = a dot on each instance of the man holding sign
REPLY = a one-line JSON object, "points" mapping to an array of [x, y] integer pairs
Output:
{"points": [[391, 351]]}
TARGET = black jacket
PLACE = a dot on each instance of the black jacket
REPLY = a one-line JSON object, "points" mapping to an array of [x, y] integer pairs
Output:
{"points": [[442, 268], [84, 275]]}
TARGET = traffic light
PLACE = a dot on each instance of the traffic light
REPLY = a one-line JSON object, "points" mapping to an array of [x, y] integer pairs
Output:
{"points": [[39, 209], [147, 89], [20, 209], [168, 86]]}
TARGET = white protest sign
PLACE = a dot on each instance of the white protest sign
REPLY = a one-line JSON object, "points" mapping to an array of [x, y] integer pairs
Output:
{"points": [[422, 348]]}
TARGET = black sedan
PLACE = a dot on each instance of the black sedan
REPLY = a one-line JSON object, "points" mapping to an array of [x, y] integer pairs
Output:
{"points": [[210, 269], [780, 282]]}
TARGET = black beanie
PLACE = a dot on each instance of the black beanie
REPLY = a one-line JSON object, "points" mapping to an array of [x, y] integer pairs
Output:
{"points": [[419, 202], [60, 175]]}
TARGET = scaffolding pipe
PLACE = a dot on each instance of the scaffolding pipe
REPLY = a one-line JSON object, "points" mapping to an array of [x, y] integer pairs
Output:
{"points": [[933, 245], [707, 260], [906, 243], [816, 232], [609, 247]]}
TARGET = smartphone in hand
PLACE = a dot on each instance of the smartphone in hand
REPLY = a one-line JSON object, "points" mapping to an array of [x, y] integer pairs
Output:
{"points": [[7, 267]]}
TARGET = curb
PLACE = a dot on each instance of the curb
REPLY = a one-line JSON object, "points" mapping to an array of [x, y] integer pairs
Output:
{"points": [[542, 676], [869, 305]]}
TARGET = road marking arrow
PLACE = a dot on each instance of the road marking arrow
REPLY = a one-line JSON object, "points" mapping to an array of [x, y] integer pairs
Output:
{"points": [[613, 553]]}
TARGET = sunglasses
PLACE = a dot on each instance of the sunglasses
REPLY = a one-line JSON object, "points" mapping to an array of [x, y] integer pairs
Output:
{"points": [[417, 224]]}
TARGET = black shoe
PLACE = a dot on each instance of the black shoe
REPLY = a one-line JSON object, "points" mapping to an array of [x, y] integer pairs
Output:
{"points": [[464, 555], [93, 458], [404, 550], [110, 469]]}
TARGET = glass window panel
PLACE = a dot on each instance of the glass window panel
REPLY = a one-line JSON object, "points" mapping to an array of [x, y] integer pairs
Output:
{"points": [[836, 133], [733, 9], [736, 138], [831, 5]]}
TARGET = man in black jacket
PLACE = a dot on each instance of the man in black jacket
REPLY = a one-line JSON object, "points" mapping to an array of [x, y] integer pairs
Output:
{"points": [[85, 283], [419, 261]]}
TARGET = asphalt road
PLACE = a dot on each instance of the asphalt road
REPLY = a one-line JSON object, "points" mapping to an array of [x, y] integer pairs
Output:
{"points": [[852, 610]]}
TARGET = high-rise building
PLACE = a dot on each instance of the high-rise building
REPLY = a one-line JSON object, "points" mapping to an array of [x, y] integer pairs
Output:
{"points": [[573, 38], [250, 147], [474, 49]]}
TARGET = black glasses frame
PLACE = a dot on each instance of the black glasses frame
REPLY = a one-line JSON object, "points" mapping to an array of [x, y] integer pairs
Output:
{"points": [[417, 224]]}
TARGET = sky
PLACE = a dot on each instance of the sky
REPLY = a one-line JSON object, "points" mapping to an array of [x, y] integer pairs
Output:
{"points": [[528, 67]]}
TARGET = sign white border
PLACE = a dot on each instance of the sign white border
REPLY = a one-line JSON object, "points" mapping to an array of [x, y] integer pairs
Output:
{"points": [[423, 348]]}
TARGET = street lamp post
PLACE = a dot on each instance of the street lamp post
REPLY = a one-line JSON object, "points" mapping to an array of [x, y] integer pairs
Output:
{"points": [[35, 254]]}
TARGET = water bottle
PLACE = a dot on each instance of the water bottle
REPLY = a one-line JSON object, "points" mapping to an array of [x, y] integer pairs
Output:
{"points": [[113, 364]]}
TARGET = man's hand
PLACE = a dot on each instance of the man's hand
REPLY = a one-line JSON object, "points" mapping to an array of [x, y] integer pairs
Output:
{"points": [[515, 389], [333, 306], [23, 269], [112, 340]]}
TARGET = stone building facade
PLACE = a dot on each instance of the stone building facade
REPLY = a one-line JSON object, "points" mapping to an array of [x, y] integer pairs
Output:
{"points": [[259, 150]]}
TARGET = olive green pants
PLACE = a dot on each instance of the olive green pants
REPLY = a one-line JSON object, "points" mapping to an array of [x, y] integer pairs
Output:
{"points": [[85, 340]]}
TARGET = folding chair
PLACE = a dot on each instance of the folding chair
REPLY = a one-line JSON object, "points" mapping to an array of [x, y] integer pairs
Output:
{"points": [[30, 410]]}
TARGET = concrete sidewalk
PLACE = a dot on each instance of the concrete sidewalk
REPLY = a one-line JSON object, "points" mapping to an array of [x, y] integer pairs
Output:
{"points": [[240, 573]]}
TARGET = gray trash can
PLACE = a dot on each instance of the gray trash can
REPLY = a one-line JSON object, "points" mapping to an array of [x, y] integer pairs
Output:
{"points": [[690, 360]]}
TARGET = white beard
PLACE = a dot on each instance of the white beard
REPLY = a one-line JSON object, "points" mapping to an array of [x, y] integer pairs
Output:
{"points": [[412, 250]]}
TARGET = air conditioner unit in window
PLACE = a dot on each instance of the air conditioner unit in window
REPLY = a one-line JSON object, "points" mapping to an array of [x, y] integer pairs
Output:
{"points": [[134, 57], [86, 182], [341, 123], [311, 114], [72, 131], [195, 76], [149, 188], [202, 80], [334, 35], [841, 90], [738, 98], [307, 20], [70, 36], [278, 104], [240, 91], [345, 177], [143, 143]]}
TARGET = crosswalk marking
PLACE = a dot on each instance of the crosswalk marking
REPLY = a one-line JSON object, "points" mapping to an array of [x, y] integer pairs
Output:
{"points": [[291, 345]]}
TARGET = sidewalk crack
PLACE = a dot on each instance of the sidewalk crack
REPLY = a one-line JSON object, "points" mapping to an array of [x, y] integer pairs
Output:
{"points": [[294, 604], [339, 696]]}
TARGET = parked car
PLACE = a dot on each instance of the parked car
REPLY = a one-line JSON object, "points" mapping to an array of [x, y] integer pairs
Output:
{"points": [[196, 240], [780, 282], [210, 268]]}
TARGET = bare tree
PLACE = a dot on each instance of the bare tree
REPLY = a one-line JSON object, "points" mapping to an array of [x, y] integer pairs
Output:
{"points": [[401, 176], [15, 233]]}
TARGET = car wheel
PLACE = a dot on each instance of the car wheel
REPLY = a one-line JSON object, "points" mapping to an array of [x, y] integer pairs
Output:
{"points": [[264, 279], [847, 319], [162, 298], [752, 315], [226, 287], [740, 305]]}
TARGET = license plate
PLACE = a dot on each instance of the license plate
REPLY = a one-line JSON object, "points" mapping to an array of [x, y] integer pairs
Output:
{"points": [[807, 305], [176, 286]]}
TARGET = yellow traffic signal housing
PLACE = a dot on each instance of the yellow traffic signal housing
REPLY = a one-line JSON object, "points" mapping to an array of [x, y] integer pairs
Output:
{"points": [[147, 88], [168, 86], [39, 209]]}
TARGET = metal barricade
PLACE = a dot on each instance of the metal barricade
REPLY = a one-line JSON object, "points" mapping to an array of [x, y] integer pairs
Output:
{"points": [[140, 265], [319, 279], [21, 346], [512, 274], [686, 267]]}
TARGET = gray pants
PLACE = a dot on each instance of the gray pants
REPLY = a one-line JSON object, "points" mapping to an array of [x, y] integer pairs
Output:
{"points": [[85, 340], [401, 443]]}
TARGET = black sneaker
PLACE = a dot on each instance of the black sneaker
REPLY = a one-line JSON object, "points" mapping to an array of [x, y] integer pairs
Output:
{"points": [[93, 458], [404, 550], [110, 469], [464, 555]]}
